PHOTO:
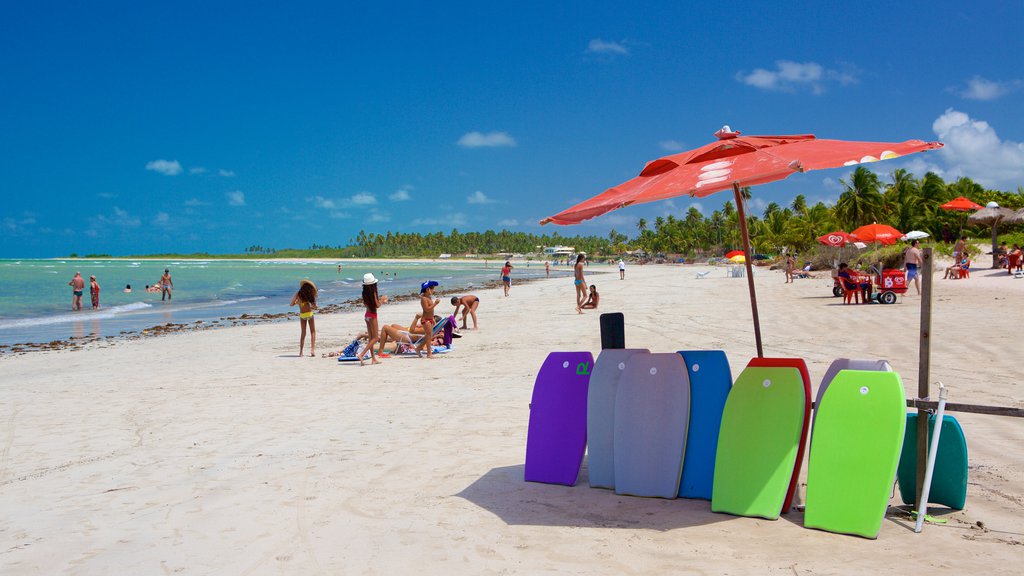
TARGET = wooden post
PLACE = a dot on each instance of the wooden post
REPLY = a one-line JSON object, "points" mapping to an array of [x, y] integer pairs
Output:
{"points": [[924, 367], [750, 271]]}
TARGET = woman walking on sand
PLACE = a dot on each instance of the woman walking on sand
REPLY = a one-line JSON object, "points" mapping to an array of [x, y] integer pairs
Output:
{"points": [[306, 299], [581, 284], [506, 276], [372, 301]]}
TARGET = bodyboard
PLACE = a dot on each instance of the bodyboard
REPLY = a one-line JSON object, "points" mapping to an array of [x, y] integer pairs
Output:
{"points": [[855, 451], [652, 406], [758, 442], [710, 382], [613, 330], [604, 382], [800, 365], [949, 479], [838, 365], [557, 436]]}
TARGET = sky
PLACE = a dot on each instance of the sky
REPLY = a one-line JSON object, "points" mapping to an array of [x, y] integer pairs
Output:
{"points": [[145, 127]]}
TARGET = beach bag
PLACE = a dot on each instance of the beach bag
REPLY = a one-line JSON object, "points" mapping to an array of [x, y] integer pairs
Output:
{"points": [[351, 349], [449, 329]]}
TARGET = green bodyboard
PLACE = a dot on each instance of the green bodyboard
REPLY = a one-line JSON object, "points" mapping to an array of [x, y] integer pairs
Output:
{"points": [[858, 435], [758, 442], [949, 479]]}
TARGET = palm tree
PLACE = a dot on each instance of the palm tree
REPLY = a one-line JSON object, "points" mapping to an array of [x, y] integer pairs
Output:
{"points": [[861, 201]]}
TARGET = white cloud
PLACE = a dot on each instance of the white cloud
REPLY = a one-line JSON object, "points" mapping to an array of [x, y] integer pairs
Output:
{"points": [[401, 195], [236, 198], [363, 199], [832, 184], [197, 170], [508, 222], [449, 220], [479, 197], [973, 149], [191, 202], [323, 203], [15, 226], [379, 216], [672, 145], [488, 140], [161, 219], [225, 173], [603, 48], [165, 167], [339, 215], [979, 88], [119, 219], [791, 76], [106, 195]]}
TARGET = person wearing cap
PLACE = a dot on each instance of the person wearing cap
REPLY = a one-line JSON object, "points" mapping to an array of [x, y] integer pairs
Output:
{"points": [[372, 300], [306, 300], [427, 303], [94, 291]]}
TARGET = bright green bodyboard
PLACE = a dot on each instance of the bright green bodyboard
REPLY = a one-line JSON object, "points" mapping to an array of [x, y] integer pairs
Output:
{"points": [[758, 441], [855, 448]]}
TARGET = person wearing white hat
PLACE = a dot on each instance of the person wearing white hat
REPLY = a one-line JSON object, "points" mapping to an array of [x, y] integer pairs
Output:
{"points": [[306, 299], [372, 300]]}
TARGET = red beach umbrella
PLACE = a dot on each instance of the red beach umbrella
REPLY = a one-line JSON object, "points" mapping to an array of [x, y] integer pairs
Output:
{"points": [[734, 253], [961, 204], [734, 161], [877, 233], [837, 239]]}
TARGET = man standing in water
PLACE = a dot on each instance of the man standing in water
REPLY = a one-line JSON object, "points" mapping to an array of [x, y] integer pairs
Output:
{"points": [[581, 284], [77, 289], [166, 284]]}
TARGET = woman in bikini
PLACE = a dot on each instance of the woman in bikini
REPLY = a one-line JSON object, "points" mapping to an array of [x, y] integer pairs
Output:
{"points": [[306, 300], [593, 300], [372, 301], [581, 284]]}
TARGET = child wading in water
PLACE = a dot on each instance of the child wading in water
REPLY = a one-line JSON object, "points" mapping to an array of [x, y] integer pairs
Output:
{"points": [[372, 301], [427, 303], [306, 299]]}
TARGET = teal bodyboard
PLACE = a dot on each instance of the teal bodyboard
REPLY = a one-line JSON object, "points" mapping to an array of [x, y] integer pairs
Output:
{"points": [[762, 424], [949, 479], [854, 452], [604, 383], [710, 381]]}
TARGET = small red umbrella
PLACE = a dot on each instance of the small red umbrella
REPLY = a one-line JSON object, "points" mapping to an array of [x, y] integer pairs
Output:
{"points": [[734, 253], [734, 161], [837, 239], [961, 204], [877, 233]]}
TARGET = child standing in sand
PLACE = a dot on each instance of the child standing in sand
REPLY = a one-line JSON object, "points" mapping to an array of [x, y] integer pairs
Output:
{"points": [[306, 299], [94, 291], [372, 301], [427, 303]]}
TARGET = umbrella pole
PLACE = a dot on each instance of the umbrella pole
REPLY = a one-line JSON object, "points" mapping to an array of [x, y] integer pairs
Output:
{"points": [[750, 271]]}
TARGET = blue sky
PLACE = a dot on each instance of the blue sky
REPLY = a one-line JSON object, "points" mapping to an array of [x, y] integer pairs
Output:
{"points": [[157, 126]]}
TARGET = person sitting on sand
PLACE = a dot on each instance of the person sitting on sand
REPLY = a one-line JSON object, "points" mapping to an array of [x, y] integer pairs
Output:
{"points": [[427, 303], [469, 304], [306, 299], [592, 299]]}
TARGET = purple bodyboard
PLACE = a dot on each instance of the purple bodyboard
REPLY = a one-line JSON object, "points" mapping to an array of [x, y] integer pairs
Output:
{"points": [[557, 437]]}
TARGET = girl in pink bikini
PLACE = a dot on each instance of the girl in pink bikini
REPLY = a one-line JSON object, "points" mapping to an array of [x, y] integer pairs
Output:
{"points": [[372, 301]]}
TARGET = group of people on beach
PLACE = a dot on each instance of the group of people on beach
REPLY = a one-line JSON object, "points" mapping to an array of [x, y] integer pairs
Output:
{"points": [[77, 283], [419, 336]]}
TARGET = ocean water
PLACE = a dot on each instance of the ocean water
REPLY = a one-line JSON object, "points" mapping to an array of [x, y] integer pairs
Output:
{"points": [[35, 298]]}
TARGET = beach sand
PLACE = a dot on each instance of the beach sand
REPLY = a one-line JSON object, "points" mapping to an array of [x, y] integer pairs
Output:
{"points": [[221, 452]]}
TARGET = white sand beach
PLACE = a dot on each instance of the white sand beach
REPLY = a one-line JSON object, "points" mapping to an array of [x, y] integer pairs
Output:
{"points": [[221, 452]]}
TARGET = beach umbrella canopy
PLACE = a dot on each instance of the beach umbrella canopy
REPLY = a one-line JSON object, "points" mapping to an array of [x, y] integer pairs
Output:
{"points": [[837, 239], [961, 204], [739, 258], [877, 233], [992, 214], [915, 235], [734, 161], [734, 253]]}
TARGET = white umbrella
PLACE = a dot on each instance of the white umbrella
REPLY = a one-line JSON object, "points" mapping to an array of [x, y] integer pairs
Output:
{"points": [[915, 235]]}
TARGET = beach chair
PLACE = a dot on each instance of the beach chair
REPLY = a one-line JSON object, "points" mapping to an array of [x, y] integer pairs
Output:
{"points": [[703, 274], [408, 344], [851, 290]]}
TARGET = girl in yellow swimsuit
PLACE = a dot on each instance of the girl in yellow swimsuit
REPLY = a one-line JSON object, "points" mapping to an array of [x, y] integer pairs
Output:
{"points": [[306, 300]]}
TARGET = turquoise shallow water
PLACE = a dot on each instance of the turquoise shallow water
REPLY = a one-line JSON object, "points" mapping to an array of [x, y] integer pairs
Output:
{"points": [[35, 298]]}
